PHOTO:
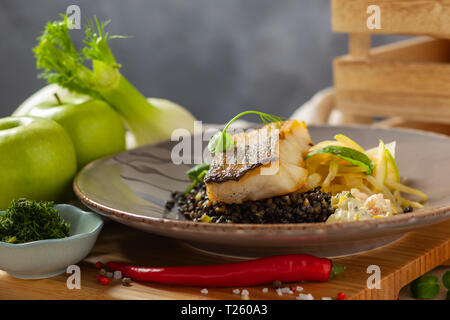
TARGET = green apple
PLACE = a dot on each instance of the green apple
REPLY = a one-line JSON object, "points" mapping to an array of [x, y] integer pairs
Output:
{"points": [[37, 160], [96, 130], [47, 94]]}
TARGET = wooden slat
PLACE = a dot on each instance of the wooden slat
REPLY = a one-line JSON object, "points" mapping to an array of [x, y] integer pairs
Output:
{"points": [[413, 17], [411, 106], [400, 263], [359, 45], [416, 49], [392, 77]]}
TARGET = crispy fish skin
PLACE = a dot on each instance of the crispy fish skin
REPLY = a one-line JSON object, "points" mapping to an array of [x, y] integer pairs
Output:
{"points": [[265, 163]]}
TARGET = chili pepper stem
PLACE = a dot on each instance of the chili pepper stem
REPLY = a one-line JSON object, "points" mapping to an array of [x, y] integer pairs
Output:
{"points": [[336, 270]]}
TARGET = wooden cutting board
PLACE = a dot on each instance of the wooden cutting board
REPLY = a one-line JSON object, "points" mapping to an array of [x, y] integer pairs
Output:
{"points": [[400, 263]]}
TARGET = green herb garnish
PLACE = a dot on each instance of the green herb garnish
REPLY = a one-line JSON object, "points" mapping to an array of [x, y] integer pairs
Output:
{"points": [[28, 220], [222, 141], [197, 174], [351, 155]]}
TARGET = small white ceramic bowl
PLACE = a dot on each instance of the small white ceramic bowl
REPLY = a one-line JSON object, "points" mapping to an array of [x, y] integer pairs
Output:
{"points": [[48, 258]]}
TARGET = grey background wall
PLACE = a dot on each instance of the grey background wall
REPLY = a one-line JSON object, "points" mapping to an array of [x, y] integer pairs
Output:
{"points": [[215, 57]]}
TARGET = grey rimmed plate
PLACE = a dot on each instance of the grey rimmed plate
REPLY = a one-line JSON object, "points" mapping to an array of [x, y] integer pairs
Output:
{"points": [[132, 188]]}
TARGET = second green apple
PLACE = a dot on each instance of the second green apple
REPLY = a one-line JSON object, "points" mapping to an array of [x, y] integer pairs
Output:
{"points": [[96, 130]]}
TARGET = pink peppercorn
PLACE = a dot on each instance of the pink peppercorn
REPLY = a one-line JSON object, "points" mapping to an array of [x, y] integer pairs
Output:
{"points": [[341, 296], [102, 279]]}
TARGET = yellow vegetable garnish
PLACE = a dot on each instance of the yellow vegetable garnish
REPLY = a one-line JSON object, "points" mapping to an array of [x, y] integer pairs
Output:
{"points": [[347, 142], [328, 167], [205, 218], [334, 165], [392, 169], [381, 164], [324, 144], [341, 200], [403, 188]]}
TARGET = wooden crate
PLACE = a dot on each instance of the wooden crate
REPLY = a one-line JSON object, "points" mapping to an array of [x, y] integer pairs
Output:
{"points": [[409, 17], [408, 79]]}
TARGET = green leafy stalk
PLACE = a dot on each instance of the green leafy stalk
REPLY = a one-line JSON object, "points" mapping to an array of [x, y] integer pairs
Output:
{"points": [[64, 65], [222, 141]]}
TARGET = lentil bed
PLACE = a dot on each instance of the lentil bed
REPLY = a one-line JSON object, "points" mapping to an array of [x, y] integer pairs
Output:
{"points": [[309, 206]]}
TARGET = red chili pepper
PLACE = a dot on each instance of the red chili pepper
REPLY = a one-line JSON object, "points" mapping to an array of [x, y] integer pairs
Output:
{"points": [[341, 296], [98, 265], [287, 268]]}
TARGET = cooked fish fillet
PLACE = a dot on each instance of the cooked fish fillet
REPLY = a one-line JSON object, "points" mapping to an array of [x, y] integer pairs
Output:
{"points": [[264, 163]]}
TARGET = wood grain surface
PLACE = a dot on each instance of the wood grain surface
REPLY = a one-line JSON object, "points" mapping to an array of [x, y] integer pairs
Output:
{"points": [[426, 17], [400, 263]]}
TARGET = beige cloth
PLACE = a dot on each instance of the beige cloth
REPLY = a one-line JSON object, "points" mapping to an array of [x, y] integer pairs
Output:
{"points": [[319, 109]]}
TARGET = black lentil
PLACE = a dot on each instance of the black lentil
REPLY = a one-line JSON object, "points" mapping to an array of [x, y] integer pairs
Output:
{"points": [[298, 207], [170, 204], [407, 209]]}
